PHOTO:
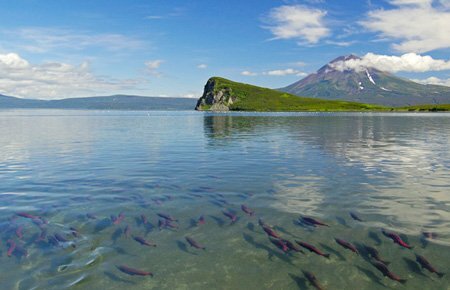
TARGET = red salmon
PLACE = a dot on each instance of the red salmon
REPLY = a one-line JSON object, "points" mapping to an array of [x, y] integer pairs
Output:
{"points": [[194, 243], [396, 238], [247, 210], [313, 249], [132, 271], [142, 241], [12, 247]]}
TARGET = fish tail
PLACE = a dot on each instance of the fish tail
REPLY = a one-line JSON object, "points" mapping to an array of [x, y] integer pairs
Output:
{"points": [[403, 281], [327, 256], [440, 274]]}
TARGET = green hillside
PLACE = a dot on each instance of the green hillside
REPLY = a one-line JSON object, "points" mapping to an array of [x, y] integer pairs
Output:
{"points": [[244, 97]]}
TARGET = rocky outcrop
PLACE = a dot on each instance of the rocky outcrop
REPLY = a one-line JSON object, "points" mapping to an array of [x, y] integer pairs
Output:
{"points": [[215, 98]]}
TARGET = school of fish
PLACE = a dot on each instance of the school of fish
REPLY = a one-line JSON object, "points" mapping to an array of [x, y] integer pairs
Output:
{"points": [[14, 233]]}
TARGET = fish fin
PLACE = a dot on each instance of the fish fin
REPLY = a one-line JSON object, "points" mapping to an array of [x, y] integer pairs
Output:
{"points": [[386, 263]]}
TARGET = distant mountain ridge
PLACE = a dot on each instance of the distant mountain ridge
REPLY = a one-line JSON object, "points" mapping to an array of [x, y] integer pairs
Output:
{"points": [[367, 85], [115, 102]]}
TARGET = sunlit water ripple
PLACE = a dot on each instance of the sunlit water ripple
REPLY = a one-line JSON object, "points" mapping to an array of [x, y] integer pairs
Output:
{"points": [[392, 169]]}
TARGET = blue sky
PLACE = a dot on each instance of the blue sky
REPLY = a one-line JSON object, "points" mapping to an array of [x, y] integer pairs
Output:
{"points": [[56, 49]]}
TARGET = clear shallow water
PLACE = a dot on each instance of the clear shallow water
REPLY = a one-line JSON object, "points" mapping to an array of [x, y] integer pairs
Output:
{"points": [[392, 169]]}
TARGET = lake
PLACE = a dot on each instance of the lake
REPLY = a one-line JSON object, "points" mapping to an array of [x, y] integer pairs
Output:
{"points": [[74, 185]]}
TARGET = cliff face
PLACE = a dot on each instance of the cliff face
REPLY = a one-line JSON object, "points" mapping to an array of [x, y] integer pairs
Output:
{"points": [[214, 98]]}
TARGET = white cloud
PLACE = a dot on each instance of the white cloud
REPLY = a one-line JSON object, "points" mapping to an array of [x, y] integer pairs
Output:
{"points": [[409, 62], [297, 22], [53, 80], [424, 3], [434, 81], [202, 66], [41, 40], [191, 95], [248, 73], [284, 72], [340, 43], [177, 11], [416, 24], [315, 1], [153, 17], [13, 61], [299, 63], [277, 72], [153, 64]]}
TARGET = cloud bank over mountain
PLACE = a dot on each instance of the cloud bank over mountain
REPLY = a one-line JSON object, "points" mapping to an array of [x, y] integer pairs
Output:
{"points": [[409, 62]]}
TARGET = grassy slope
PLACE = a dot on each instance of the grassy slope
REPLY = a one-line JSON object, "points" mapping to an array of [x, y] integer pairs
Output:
{"points": [[253, 98]]}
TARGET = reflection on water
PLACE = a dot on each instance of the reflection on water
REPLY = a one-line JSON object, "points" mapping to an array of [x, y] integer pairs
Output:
{"points": [[384, 156], [81, 169]]}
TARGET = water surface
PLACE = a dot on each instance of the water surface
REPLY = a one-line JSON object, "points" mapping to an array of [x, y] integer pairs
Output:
{"points": [[391, 169]]}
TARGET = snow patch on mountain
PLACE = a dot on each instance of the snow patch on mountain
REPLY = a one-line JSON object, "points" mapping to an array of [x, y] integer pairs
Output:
{"points": [[370, 77]]}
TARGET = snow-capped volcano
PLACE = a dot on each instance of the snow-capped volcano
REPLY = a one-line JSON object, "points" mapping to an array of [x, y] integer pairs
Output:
{"points": [[344, 79]]}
